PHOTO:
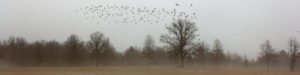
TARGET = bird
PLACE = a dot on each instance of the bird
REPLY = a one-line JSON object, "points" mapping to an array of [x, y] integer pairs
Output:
{"points": [[176, 4], [128, 14]]}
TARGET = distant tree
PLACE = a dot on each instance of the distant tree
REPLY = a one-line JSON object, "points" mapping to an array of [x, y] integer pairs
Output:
{"points": [[218, 54], [181, 36], [148, 50], [173, 55], [39, 52], [132, 56], [108, 55], [97, 45], [267, 55], [294, 47], [245, 61], [54, 52], [17, 47], [160, 55], [233, 59], [283, 58], [74, 48], [1, 50], [200, 53], [17, 52]]}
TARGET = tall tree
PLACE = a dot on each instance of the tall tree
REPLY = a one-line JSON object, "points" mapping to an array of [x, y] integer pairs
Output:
{"points": [[267, 55], [148, 51], [97, 44], [294, 47], [218, 54], [74, 48], [180, 37]]}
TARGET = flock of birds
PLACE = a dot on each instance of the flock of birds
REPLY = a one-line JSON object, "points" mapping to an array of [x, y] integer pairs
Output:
{"points": [[132, 15]]}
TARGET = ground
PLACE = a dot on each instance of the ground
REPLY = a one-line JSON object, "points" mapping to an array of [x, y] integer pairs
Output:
{"points": [[142, 70]]}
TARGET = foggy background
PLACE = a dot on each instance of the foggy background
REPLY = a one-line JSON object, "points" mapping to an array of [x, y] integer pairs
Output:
{"points": [[241, 25]]}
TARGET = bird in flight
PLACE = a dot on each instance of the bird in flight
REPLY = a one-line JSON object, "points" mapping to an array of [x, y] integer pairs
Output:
{"points": [[134, 15], [176, 4]]}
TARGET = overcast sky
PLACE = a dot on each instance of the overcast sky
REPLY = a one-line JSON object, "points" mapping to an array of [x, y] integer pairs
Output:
{"points": [[241, 25]]}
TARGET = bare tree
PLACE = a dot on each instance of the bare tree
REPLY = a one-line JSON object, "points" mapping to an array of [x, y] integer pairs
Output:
{"points": [[245, 61], [218, 54], [109, 54], [181, 36], [200, 53], [148, 51], [161, 56], [233, 59], [294, 47], [54, 52], [267, 55], [39, 49], [2, 50], [132, 56], [74, 48], [17, 46], [97, 44], [283, 58]]}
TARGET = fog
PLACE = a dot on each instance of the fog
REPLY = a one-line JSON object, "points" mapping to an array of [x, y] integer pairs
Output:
{"points": [[241, 25], [149, 37]]}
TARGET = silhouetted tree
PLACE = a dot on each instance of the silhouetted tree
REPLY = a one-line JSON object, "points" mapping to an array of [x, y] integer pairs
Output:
{"points": [[161, 56], [39, 52], [218, 54], [283, 58], [233, 59], [148, 50], [200, 53], [181, 36], [2, 51], [17, 46], [294, 47], [97, 44], [108, 55], [245, 61], [173, 55], [54, 53], [132, 56], [74, 48], [267, 55]]}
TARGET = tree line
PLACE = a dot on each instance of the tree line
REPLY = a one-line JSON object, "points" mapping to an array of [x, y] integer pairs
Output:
{"points": [[181, 48]]}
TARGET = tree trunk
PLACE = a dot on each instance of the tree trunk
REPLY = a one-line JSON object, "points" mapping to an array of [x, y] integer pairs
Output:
{"points": [[181, 61], [149, 62], [292, 64], [181, 58], [96, 61], [268, 66]]}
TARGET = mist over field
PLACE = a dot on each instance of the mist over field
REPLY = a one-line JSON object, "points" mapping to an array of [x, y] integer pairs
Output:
{"points": [[146, 37]]}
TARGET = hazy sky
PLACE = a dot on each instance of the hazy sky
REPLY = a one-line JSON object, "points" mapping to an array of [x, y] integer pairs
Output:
{"points": [[241, 25]]}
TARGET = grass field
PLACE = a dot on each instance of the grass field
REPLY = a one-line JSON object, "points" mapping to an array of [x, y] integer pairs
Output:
{"points": [[154, 70]]}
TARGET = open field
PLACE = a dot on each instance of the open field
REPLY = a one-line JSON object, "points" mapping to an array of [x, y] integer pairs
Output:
{"points": [[141, 71]]}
